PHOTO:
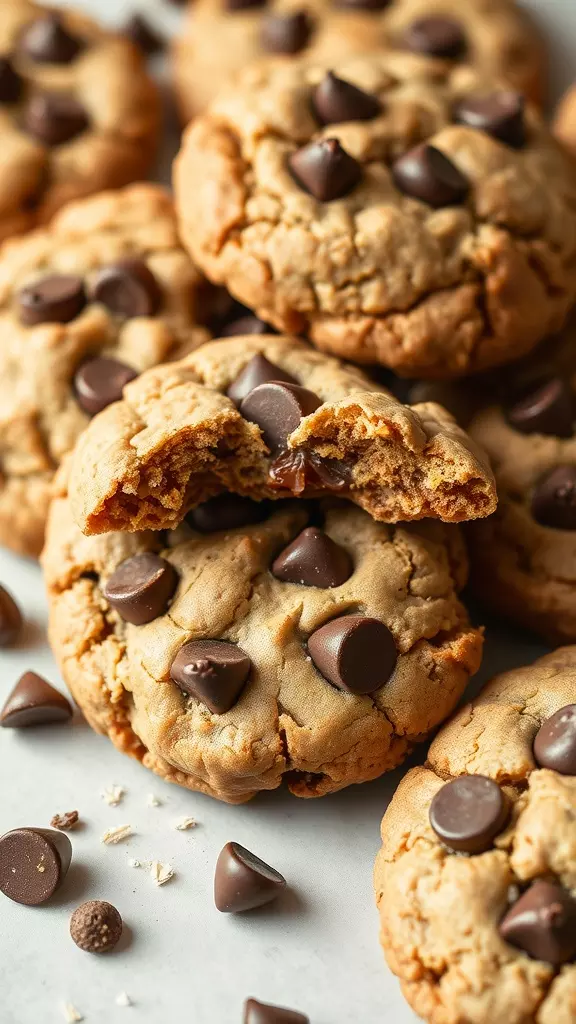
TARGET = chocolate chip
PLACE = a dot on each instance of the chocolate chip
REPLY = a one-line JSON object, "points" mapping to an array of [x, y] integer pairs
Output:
{"points": [[244, 5], [127, 288], [335, 100], [298, 471], [437, 37], [501, 115], [47, 41], [256, 1012], [354, 653], [313, 560], [258, 371], [542, 923], [467, 813], [141, 588], [425, 173], [54, 118], [99, 382], [33, 701], [325, 170], [554, 499], [96, 926], [555, 742], [10, 619], [277, 409], [213, 671], [286, 33], [242, 881], [227, 512], [33, 864], [140, 32], [57, 298], [547, 408], [10, 82], [65, 822], [246, 325]]}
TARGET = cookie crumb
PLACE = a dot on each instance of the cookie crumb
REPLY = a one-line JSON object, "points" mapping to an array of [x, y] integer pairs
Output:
{"points": [[153, 801], [161, 873], [71, 1014], [185, 823], [113, 795], [123, 999], [96, 926], [65, 822], [116, 834], [133, 863]]}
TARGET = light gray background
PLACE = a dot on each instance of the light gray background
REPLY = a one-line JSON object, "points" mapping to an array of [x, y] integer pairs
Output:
{"points": [[180, 960]]}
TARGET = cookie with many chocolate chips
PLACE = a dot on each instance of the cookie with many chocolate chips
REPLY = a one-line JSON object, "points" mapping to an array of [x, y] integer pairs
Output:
{"points": [[394, 209], [306, 643], [475, 881], [85, 305]]}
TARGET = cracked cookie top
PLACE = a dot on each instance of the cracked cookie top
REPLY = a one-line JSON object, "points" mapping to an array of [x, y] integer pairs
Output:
{"points": [[269, 417], [486, 930], [393, 209]]}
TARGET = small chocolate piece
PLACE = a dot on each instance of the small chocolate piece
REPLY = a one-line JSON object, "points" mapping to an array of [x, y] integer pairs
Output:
{"points": [[547, 408], [325, 170], [542, 923], [554, 499], [301, 471], [213, 671], [244, 5], [313, 559], [256, 1012], [141, 588], [335, 101], [501, 115], [140, 32], [33, 864], [33, 701], [467, 813], [10, 82], [258, 371], [286, 33], [57, 298], [247, 325], [354, 653], [96, 926], [47, 40], [10, 618], [277, 408], [227, 512], [54, 118], [99, 382], [127, 288], [242, 881], [437, 37], [555, 742], [65, 822], [426, 174]]}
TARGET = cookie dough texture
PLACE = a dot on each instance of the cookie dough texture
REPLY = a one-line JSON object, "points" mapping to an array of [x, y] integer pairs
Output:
{"points": [[215, 42], [40, 418], [289, 723], [378, 277], [439, 912], [176, 440], [565, 120], [108, 78]]}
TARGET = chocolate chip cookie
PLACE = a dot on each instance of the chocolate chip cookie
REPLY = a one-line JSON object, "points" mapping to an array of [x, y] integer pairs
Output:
{"points": [[565, 120], [78, 112], [220, 37], [476, 881], [85, 305], [262, 642]]}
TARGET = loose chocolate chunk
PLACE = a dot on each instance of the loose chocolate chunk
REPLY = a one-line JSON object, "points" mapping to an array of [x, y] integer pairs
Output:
{"points": [[354, 653], [141, 588], [128, 288], [277, 408], [542, 923], [242, 881], [244, 5], [426, 174], [554, 499], [96, 926], [325, 170], [10, 618], [256, 1012], [57, 298], [247, 325], [335, 100], [33, 864], [286, 33], [47, 40], [547, 408], [467, 813], [140, 32], [301, 471], [10, 82], [437, 37], [33, 701], [258, 371], [99, 382], [501, 115], [313, 560], [213, 671], [555, 742], [54, 118], [65, 822], [227, 512]]}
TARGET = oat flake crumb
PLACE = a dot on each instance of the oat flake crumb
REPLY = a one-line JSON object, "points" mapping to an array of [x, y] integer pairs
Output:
{"points": [[113, 795], [116, 834], [65, 822], [185, 823], [153, 800], [71, 1014], [123, 999], [161, 873]]}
